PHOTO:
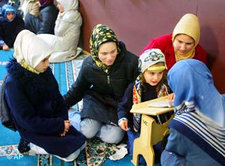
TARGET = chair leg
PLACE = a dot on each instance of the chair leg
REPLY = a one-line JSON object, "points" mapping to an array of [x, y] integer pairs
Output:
{"points": [[149, 156], [135, 159]]}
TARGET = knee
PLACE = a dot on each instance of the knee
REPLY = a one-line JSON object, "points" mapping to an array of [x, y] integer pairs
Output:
{"points": [[113, 135], [171, 159], [89, 127]]}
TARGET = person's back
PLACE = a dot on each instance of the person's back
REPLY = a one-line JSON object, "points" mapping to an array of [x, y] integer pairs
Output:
{"points": [[199, 121], [45, 22]]}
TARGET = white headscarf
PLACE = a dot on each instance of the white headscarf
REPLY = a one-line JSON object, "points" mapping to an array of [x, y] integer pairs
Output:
{"points": [[69, 4], [30, 49]]}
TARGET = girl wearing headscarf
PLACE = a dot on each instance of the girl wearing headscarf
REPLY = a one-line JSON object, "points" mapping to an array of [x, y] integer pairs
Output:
{"points": [[35, 103], [45, 21], [101, 82], [183, 43], [197, 131], [151, 83], [10, 25], [67, 32]]}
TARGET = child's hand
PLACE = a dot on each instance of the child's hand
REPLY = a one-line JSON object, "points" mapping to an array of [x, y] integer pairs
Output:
{"points": [[124, 125], [5, 47], [171, 97], [66, 129]]}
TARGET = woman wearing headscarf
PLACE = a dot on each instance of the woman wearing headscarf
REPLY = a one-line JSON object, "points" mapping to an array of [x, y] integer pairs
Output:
{"points": [[197, 132], [183, 43], [45, 21], [67, 32], [35, 103], [101, 82]]}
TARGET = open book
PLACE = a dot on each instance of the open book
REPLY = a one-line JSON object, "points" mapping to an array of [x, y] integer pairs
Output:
{"points": [[162, 103]]}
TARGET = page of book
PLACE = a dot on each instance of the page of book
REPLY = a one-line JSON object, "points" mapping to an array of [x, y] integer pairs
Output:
{"points": [[162, 103]]}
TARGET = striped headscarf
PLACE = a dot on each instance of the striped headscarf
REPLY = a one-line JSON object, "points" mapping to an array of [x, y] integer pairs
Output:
{"points": [[199, 107], [101, 34]]}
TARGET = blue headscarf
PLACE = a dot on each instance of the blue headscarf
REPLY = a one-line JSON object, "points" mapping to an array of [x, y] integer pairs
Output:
{"points": [[8, 9], [192, 83]]}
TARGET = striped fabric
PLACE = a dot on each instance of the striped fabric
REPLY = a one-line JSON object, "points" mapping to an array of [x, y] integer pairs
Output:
{"points": [[203, 131]]}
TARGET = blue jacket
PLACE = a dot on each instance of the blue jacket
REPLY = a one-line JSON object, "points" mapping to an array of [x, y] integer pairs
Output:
{"points": [[39, 110], [45, 23]]}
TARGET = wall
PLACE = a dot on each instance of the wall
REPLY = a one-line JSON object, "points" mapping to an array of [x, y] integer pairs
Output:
{"points": [[136, 22]]}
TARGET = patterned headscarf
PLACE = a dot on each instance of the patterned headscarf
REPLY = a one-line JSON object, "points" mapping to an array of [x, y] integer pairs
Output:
{"points": [[8, 9], [147, 59], [101, 34], [188, 25], [30, 50]]}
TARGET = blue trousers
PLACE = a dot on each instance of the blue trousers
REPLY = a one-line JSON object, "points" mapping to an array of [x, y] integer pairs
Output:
{"points": [[180, 151]]}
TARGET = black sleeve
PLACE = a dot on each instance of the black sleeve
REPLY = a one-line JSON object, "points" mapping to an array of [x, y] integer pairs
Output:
{"points": [[124, 107], [1, 31], [20, 25], [48, 19], [77, 90]]}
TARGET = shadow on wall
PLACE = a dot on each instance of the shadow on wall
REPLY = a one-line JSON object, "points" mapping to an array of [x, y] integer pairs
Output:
{"points": [[215, 62], [209, 42]]}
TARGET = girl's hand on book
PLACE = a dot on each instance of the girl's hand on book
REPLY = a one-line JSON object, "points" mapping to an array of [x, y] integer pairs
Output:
{"points": [[171, 97]]}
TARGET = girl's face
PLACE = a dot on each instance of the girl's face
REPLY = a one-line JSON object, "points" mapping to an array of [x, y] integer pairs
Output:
{"points": [[43, 65], [107, 53], [183, 44], [60, 7], [153, 77], [10, 16]]}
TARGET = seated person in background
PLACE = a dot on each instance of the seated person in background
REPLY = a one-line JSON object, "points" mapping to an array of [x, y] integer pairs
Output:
{"points": [[67, 32], [30, 6], [150, 84], [101, 82], [3, 2], [45, 22], [35, 103], [197, 130], [182, 43], [10, 25]]}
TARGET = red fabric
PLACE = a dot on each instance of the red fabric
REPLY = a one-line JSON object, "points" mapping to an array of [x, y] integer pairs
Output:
{"points": [[164, 43], [44, 2]]}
